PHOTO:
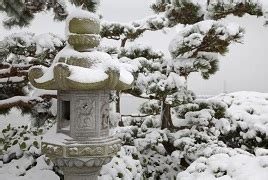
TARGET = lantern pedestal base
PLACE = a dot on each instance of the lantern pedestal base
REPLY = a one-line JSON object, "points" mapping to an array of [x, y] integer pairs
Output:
{"points": [[83, 173], [80, 160], [81, 168]]}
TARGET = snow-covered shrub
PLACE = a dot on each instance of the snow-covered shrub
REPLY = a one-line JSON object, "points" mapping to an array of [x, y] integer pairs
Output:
{"points": [[159, 166], [20, 152], [224, 166], [15, 141], [152, 107], [144, 134], [217, 106], [189, 144], [205, 128], [156, 162], [239, 120], [136, 127], [28, 168], [246, 124], [127, 134], [125, 166]]}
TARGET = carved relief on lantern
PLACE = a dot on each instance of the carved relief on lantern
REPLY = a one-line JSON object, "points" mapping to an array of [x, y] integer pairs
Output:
{"points": [[104, 109], [85, 114]]}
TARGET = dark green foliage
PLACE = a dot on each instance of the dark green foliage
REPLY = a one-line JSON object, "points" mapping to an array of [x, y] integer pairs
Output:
{"points": [[5, 111], [197, 105], [89, 5], [183, 109], [151, 107], [59, 9], [120, 175], [22, 136], [198, 50], [140, 51], [183, 12], [17, 11], [160, 7], [41, 113], [211, 43], [234, 139], [214, 67], [135, 156], [116, 30], [23, 146], [21, 12], [220, 10], [219, 110], [179, 11]]}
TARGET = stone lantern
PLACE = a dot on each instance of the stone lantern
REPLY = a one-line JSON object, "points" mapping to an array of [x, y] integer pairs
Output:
{"points": [[83, 78]]}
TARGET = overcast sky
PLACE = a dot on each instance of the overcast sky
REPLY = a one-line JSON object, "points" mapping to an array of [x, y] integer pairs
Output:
{"points": [[243, 68]]}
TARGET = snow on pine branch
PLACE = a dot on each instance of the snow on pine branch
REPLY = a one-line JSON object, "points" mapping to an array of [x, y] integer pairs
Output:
{"points": [[169, 13], [140, 50], [207, 9], [31, 45], [205, 36], [26, 101], [196, 47], [132, 30], [19, 51]]}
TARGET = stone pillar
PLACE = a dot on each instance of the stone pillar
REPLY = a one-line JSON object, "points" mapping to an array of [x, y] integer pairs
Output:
{"points": [[81, 174]]}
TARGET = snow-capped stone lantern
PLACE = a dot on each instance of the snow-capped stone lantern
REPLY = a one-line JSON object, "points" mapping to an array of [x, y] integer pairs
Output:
{"points": [[83, 78]]}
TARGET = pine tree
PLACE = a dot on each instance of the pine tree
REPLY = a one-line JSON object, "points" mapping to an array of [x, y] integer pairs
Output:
{"points": [[18, 52], [22, 12], [195, 50]]}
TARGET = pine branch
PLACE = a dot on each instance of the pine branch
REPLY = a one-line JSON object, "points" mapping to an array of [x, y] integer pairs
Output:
{"points": [[19, 101], [24, 101]]}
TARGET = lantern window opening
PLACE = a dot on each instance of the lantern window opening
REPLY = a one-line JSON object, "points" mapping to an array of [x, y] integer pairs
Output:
{"points": [[65, 115]]}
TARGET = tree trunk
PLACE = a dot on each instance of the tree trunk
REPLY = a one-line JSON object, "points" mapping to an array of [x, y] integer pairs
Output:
{"points": [[167, 124], [123, 42], [117, 107], [208, 2], [186, 81], [118, 110], [166, 116]]}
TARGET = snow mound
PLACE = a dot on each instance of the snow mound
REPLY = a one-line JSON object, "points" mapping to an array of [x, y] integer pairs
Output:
{"points": [[225, 167]]}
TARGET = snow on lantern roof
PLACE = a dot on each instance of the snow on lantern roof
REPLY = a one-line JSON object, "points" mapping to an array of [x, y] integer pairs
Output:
{"points": [[79, 66]]}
